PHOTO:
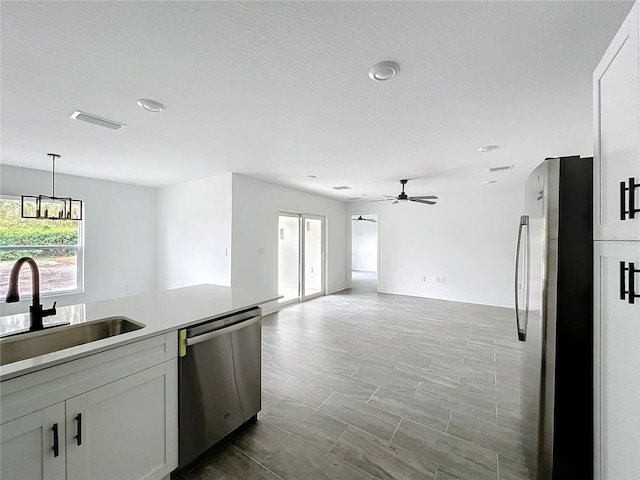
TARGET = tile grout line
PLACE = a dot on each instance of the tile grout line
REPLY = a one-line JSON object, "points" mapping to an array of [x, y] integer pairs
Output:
{"points": [[357, 370], [336, 442], [325, 401], [449, 422], [417, 388], [279, 445], [259, 463], [378, 388], [396, 430], [497, 467]]}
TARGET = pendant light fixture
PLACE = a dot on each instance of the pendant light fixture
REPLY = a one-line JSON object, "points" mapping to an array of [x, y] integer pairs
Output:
{"points": [[51, 207]]}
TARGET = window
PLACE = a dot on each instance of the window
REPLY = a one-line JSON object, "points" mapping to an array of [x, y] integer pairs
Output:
{"points": [[56, 245]]}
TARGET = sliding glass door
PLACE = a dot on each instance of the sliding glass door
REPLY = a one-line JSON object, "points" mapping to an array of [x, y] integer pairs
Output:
{"points": [[289, 258], [312, 281], [300, 257]]}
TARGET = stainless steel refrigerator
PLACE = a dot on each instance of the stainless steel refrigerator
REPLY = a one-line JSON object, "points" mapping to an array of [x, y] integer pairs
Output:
{"points": [[554, 319]]}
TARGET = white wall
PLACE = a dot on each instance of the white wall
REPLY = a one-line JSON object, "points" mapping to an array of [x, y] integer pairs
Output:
{"points": [[256, 206], [119, 233], [194, 233], [364, 244], [467, 238]]}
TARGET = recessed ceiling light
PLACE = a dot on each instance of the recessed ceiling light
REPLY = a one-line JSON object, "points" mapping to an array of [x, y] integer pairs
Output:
{"points": [[101, 122], [488, 148], [311, 177], [383, 71], [151, 105]]}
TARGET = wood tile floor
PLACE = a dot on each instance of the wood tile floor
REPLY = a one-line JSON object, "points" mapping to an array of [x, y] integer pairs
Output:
{"points": [[361, 385]]}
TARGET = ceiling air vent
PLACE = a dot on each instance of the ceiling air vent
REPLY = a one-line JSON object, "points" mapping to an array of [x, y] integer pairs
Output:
{"points": [[343, 187], [501, 169], [101, 122]]}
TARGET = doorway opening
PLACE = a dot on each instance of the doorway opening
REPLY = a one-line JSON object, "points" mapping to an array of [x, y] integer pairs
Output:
{"points": [[300, 257], [364, 251]]}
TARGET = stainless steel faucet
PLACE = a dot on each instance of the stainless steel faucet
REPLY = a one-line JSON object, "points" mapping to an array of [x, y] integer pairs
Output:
{"points": [[37, 313]]}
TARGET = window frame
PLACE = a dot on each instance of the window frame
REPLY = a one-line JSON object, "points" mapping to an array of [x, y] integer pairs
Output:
{"points": [[79, 249]]}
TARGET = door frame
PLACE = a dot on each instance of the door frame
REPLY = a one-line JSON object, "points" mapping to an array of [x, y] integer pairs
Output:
{"points": [[350, 235], [323, 288]]}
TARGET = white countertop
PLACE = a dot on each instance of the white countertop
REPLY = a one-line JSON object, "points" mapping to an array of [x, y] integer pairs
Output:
{"points": [[160, 312]]}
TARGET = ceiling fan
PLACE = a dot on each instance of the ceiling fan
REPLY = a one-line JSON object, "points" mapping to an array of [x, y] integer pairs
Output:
{"points": [[428, 199], [360, 219]]}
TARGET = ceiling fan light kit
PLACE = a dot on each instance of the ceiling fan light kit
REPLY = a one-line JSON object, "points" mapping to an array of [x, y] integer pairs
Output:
{"points": [[45, 207]]}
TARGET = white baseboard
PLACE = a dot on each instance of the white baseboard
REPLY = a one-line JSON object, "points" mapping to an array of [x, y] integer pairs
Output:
{"points": [[336, 290]]}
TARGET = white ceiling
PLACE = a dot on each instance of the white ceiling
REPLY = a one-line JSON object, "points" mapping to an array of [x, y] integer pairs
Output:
{"points": [[280, 90]]}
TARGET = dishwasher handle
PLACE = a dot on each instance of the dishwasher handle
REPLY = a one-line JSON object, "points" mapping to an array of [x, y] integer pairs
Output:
{"points": [[187, 342]]}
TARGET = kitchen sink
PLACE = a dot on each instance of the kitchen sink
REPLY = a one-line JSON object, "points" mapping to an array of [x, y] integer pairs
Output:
{"points": [[32, 344]]}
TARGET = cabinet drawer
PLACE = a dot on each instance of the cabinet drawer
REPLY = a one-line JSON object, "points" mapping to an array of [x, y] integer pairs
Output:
{"points": [[37, 390]]}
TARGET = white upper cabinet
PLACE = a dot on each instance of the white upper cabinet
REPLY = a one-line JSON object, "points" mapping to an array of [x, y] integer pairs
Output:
{"points": [[616, 88]]}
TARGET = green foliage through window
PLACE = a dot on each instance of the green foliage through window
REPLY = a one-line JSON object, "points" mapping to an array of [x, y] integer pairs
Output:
{"points": [[17, 231]]}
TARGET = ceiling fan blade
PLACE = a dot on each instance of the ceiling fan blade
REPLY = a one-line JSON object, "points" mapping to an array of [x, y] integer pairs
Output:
{"points": [[425, 197], [419, 200], [395, 202], [389, 197], [368, 219]]}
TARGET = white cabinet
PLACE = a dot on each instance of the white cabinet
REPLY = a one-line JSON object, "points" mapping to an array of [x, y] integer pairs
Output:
{"points": [[27, 450], [119, 431], [616, 87], [116, 416], [617, 335]]}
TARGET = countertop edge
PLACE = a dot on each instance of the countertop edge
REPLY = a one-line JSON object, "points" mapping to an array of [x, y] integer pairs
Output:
{"points": [[30, 365]]}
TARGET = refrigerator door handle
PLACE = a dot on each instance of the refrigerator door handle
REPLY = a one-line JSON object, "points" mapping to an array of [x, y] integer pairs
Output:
{"points": [[524, 222]]}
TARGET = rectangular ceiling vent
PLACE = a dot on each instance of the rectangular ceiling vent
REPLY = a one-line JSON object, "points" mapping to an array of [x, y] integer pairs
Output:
{"points": [[101, 122], [506, 168], [343, 187]]}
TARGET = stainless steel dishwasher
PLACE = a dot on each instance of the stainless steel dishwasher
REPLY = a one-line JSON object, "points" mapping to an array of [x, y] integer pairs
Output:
{"points": [[219, 369]]}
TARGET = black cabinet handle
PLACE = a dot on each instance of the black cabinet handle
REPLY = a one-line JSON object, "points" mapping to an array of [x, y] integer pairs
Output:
{"points": [[623, 208], [632, 198], [56, 446], [79, 428], [631, 212], [632, 282], [628, 278]]}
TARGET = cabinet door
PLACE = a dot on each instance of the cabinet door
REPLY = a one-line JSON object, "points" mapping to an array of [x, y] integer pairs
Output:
{"points": [[617, 133], [617, 362], [126, 429], [27, 451]]}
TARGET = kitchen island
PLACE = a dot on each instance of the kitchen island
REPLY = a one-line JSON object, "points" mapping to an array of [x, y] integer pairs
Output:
{"points": [[108, 408]]}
